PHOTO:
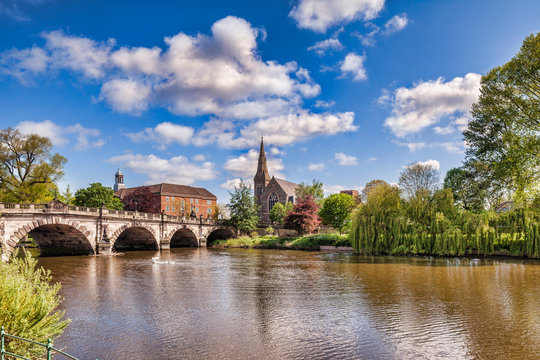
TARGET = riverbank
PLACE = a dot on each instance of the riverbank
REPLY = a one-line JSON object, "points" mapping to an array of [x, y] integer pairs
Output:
{"points": [[308, 242]]}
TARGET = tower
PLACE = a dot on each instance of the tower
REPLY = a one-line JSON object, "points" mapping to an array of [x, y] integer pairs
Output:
{"points": [[118, 181], [262, 177]]}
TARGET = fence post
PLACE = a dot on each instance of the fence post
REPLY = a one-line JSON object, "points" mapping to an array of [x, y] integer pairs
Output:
{"points": [[2, 350], [49, 349]]}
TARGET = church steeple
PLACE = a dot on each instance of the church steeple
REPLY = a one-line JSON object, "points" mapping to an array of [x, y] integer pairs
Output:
{"points": [[262, 177]]}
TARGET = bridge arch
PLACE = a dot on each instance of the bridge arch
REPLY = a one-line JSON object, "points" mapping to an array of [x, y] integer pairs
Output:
{"points": [[183, 237], [219, 234], [55, 237], [134, 237]]}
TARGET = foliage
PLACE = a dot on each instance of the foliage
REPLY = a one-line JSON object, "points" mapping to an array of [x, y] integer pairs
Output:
{"points": [[243, 209], [220, 212], [336, 210], [466, 190], [416, 177], [315, 190], [310, 242], [97, 194], [504, 136], [430, 223], [27, 168], [28, 305], [280, 211], [303, 218], [142, 200], [269, 230], [370, 185], [67, 196]]}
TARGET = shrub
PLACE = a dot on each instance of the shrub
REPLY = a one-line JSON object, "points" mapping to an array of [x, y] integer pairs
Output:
{"points": [[28, 303]]}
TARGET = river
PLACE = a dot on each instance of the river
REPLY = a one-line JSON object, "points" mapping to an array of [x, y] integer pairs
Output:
{"points": [[266, 304]]}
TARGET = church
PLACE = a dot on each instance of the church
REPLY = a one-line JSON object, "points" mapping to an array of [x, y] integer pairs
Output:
{"points": [[270, 191]]}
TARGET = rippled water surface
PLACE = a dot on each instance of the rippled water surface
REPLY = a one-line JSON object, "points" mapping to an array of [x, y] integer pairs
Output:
{"points": [[265, 304]]}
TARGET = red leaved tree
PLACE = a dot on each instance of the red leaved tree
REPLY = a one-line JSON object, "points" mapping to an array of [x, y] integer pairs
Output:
{"points": [[304, 216], [142, 200]]}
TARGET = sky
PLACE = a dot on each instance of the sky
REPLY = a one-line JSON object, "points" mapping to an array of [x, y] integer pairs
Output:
{"points": [[343, 91]]}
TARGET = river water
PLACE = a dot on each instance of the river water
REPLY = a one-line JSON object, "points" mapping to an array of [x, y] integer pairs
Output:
{"points": [[266, 304]]}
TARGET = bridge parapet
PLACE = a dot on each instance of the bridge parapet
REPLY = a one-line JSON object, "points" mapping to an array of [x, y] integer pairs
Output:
{"points": [[59, 208]]}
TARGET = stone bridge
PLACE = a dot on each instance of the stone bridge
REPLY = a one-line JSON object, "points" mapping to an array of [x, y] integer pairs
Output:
{"points": [[59, 229]]}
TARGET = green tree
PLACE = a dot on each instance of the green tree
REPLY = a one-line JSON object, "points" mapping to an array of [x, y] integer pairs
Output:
{"points": [[370, 185], [97, 194], [280, 211], [504, 135], [29, 305], [315, 189], [243, 210], [67, 196], [336, 210], [28, 170], [466, 190]]}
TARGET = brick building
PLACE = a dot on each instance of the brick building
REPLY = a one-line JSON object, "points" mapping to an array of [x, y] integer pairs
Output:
{"points": [[270, 190], [174, 199]]}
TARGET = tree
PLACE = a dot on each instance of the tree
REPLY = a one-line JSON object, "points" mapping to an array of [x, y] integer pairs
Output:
{"points": [[243, 209], [369, 186], [303, 218], [97, 194], [315, 189], [280, 211], [336, 210], [220, 212], [142, 200], [418, 176], [28, 170], [504, 135], [29, 305], [466, 190]]}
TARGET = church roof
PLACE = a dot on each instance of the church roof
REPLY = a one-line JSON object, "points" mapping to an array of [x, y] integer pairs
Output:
{"points": [[287, 186], [171, 190]]}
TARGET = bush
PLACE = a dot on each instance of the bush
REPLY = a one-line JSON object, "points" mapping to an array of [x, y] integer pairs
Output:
{"points": [[28, 303]]}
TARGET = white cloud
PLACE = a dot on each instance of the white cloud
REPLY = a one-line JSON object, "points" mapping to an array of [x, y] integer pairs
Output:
{"points": [[345, 160], [126, 95], [316, 167], [434, 164], [199, 158], [335, 189], [59, 135], [427, 102], [413, 146], [395, 24], [354, 64], [24, 64], [245, 165], [176, 170], [323, 46], [451, 147], [232, 183], [443, 130], [164, 134], [319, 15], [372, 159], [324, 104], [369, 38]]}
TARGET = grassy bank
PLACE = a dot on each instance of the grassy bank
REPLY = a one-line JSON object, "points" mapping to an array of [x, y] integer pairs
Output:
{"points": [[308, 242]]}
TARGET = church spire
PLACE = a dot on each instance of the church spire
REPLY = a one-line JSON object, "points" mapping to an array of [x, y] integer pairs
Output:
{"points": [[262, 177]]}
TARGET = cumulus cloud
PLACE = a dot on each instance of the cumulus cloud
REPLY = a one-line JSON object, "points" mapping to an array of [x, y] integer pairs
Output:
{"points": [[335, 189], [177, 170], [164, 134], [395, 24], [323, 46], [354, 65], [319, 15], [126, 95], [434, 164], [443, 130], [316, 167], [24, 64], [59, 135], [245, 165], [427, 102], [451, 147], [345, 160], [232, 183]]}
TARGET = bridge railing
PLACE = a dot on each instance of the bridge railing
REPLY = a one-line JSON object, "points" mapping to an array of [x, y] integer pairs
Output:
{"points": [[48, 346], [90, 211]]}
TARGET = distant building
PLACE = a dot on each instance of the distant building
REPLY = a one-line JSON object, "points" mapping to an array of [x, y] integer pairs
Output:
{"points": [[118, 181], [270, 190], [353, 193], [174, 199]]}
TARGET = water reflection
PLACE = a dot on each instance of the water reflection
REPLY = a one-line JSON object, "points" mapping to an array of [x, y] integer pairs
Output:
{"points": [[233, 304]]}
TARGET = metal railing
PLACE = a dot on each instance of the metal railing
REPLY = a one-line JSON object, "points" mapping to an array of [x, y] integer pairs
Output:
{"points": [[49, 346]]}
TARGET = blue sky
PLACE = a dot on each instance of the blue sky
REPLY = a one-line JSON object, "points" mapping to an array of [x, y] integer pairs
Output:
{"points": [[343, 91]]}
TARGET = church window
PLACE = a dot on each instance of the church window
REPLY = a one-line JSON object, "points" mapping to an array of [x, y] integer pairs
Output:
{"points": [[259, 189], [272, 200]]}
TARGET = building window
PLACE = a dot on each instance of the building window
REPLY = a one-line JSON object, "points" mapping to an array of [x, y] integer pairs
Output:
{"points": [[196, 201], [183, 204], [167, 198], [173, 198], [197, 209], [209, 211], [167, 208], [291, 199], [259, 190], [191, 201], [272, 200], [209, 202], [173, 208]]}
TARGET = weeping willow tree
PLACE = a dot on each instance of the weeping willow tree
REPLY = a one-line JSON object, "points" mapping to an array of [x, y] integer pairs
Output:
{"points": [[429, 223]]}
